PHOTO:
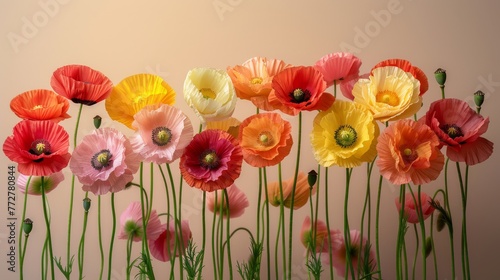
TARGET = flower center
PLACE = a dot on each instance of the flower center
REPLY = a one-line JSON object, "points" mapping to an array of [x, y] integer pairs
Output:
{"points": [[161, 136], [101, 159], [266, 139], [299, 95], [209, 159], [345, 136], [37, 107], [388, 97], [256, 80], [132, 229], [452, 130], [39, 147], [409, 155], [208, 93]]}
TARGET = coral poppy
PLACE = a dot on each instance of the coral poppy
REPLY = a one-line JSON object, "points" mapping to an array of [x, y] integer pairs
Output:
{"points": [[162, 133], [230, 125], [299, 88], [252, 79], [265, 139], [40, 148], [81, 84], [104, 161], [309, 237], [338, 67], [345, 135], [407, 67], [211, 161], [131, 224], [238, 201], [460, 129], [162, 248], [302, 192], [360, 251], [409, 151], [35, 183], [39, 105], [136, 92], [390, 93], [210, 92], [412, 207]]}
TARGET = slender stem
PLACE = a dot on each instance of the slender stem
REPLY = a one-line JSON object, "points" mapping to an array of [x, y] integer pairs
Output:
{"points": [[228, 236], [259, 197], [442, 92], [22, 249], [464, 246], [268, 246], [417, 242], [44, 259], [327, 217], [377, 227], [401, 229], [347, 231], [24, 252], [177, 223], [282, 221], [276, 245], [112, 240], [436, 270], [366, 206], [215, 258], [81, 247], [99, 229], [220, 235], [167, 194], [290, 236], [47, 224], [129, 254]]}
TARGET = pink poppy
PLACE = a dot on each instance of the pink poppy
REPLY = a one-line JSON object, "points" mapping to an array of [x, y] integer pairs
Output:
{"points": [[412, 209], [104, 161], [35, 183], [162, 133], [338, 67], [81, 84], [162, 248], [131, 224], [211, 161], [299, 88], [460, 129], [358, 247], [348, 84], [238, 201], [308, 236], [40, 148], [409, 151]]}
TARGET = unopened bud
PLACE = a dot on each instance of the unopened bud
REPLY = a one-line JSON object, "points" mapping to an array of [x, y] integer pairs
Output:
{"points": [[312, 176], [27, 226], [440, 75], [97, 121], [478, 98], [86, 204]]}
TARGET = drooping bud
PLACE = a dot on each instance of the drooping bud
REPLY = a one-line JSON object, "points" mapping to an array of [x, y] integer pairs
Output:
{"points": [[440, 75], [312, 176], [27, 226], [97, 121], [440, 222], [86, 204], [428, 246]]}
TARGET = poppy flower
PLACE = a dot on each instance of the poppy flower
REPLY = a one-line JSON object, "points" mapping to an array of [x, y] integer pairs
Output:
{"points": [[299, 88], [104, 161], [345, 135], [407, 67], [409, 151], [162, 248], [210, 93], [35, 186], [317, 236], [211, 161], [39, 105], [81, 84], [265, 139], [338, 67], [131, 224], [359, 252], [238, 201], [230, 125], [348, 84], [390, 93], [136, 92], [162, 133], [302, 191], [40, 148], [252, 79], [460, 129], [412, 207]]}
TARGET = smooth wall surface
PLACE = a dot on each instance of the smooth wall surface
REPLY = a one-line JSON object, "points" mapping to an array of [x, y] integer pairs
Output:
{"points": [[168, 38]]}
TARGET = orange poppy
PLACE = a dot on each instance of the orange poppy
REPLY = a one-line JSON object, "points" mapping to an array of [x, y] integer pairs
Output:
{"points": [[40, 105]]}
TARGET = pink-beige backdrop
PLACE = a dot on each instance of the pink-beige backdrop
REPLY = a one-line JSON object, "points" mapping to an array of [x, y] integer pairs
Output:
{"points": [[168, 38]]}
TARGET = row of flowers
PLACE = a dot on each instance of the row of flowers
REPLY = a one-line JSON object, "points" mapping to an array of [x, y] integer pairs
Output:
{"points": [[345, 133]]}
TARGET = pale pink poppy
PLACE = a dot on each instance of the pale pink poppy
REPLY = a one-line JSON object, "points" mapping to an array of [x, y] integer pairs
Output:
{"points": [[131, 224], [50, 182], [162, 248], [338, 67], [238, 201], [317, 233], [411, 208]]}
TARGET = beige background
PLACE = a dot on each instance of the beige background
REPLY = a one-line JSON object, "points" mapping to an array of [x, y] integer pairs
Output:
{"points": [[168, 38]]}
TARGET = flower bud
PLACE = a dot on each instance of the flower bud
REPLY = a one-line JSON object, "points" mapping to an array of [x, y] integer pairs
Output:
{"points": [[428, 246], [27, 226], [478, 98], [86, 204], [440, 222], [97, 121], [312, 176], [440, 76]]}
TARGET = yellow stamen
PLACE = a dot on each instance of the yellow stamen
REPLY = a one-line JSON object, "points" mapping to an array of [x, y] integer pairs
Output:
{"points": [[256, 80], [208, 93], [388, 97]]}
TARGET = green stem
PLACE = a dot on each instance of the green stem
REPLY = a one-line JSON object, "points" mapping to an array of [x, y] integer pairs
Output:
{"points": [[129, 254], [276, 246], [282, 221], [81, 247], [22, 249], [347, 231], [99, 229], [367, 205], [442, 92], [112, 240], [417, 244], [47, 224], [215, 258], [377, 227], [327, 214], [268, 246], [290, 235], [177, 222], [464, 246], [228, 236], [401, 229], [436, 270], [220, 238]]}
